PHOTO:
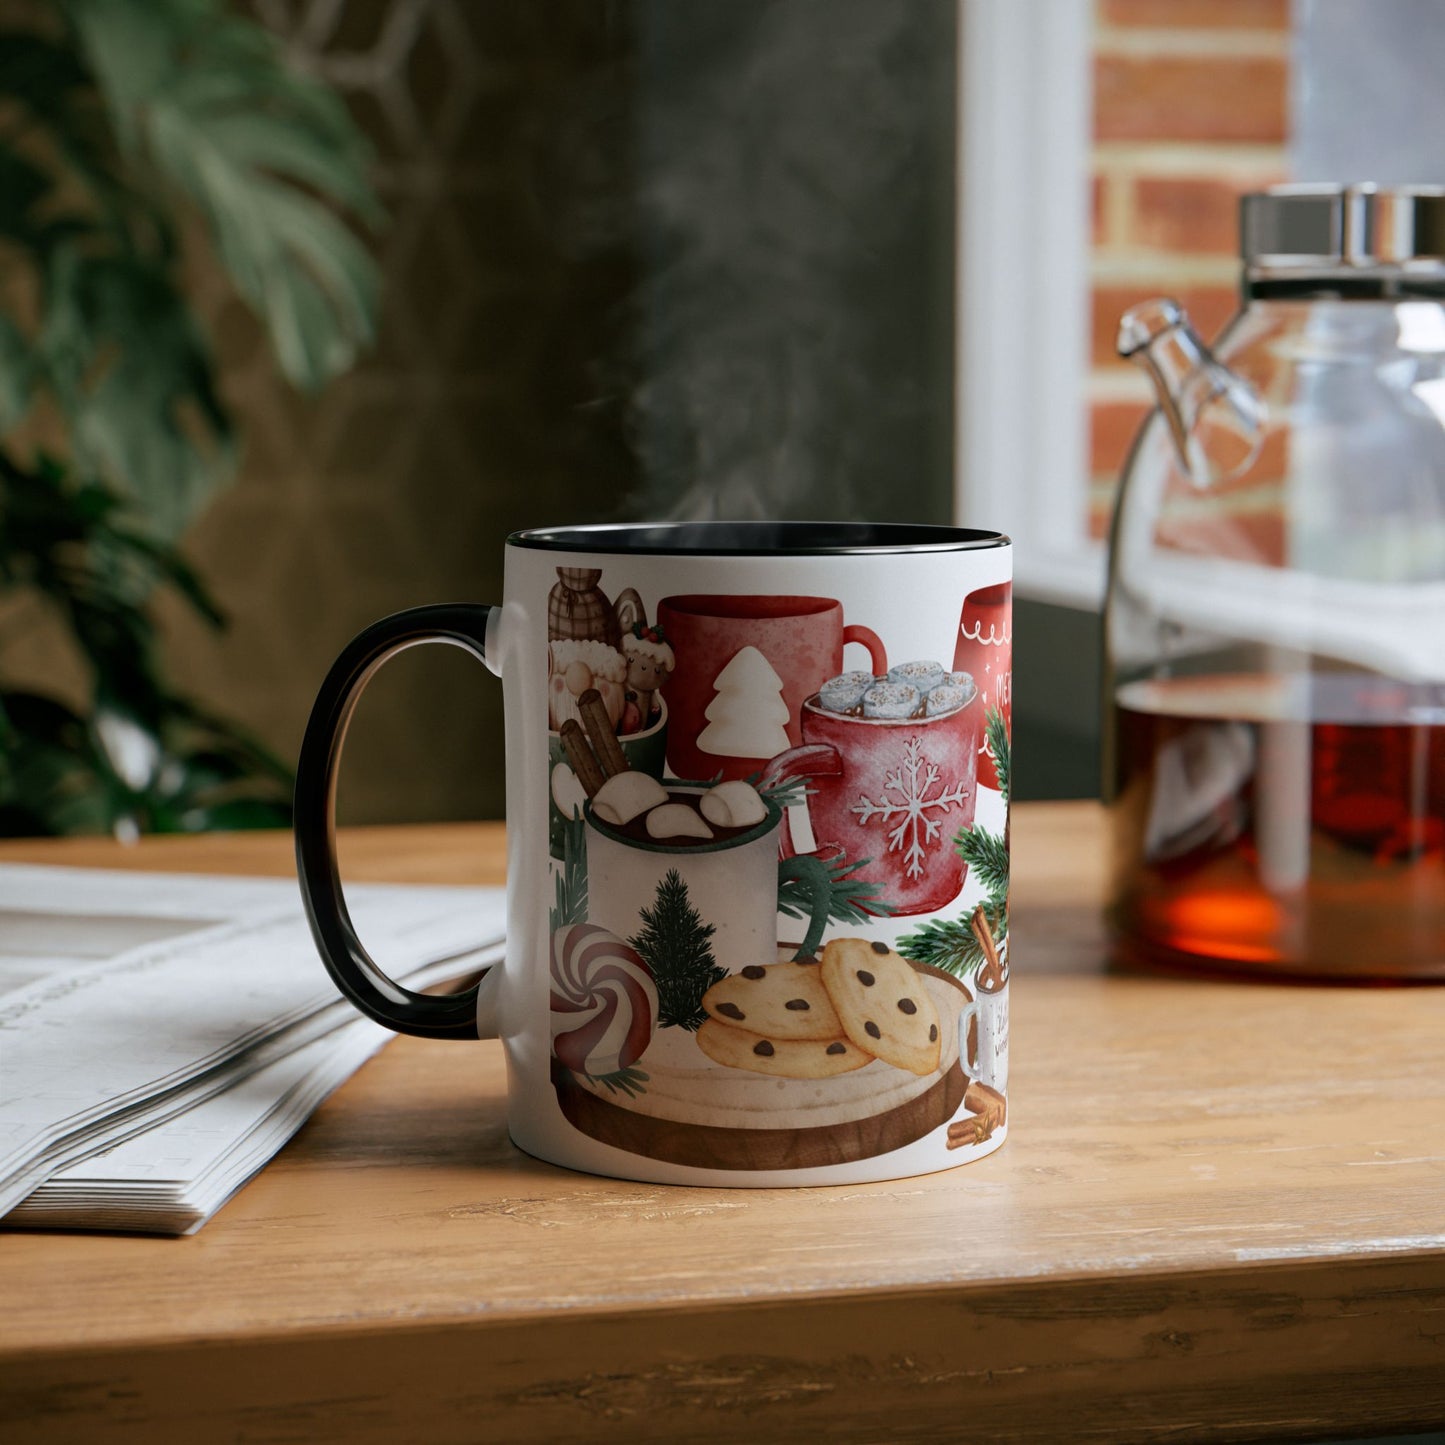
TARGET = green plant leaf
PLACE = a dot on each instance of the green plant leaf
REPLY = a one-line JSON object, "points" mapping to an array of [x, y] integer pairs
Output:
{"points": [[85, 191], [168, 565], [233, 738], [234, 815], [273, 144], [112, 117], [51, 781], [262, 150], [22, 187], [785, 792], [145, 757], [134, 376], [37, 72], [17, 371]]}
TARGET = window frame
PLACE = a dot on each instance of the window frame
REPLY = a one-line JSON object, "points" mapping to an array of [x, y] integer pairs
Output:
{"points": [[1025, 127]]}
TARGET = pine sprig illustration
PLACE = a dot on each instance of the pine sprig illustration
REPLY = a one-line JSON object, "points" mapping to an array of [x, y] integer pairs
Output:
{"points": [[850, 899], [950, 944], [987, 854], [631, 1082], [996, 730], [569, 903], [786, 792], [673, 942]]}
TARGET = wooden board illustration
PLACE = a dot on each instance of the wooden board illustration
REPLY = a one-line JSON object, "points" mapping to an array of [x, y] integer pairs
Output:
{"points": [[764, 1148]]}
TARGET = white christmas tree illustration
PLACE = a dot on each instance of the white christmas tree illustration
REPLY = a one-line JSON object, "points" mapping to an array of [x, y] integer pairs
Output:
{"points": [[748, 717]]}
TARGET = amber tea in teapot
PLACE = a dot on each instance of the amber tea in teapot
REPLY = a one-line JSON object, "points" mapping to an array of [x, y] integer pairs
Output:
{"points": [[1309, 843]]}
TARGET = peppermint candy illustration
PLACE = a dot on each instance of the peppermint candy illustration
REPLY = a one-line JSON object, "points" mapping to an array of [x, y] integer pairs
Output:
{"points": [[604, 1001]]}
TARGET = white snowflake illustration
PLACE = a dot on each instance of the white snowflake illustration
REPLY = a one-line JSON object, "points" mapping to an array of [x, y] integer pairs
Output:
{"points": [[906, 797]]}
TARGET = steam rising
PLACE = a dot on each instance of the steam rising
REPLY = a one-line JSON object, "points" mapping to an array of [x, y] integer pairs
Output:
{"points": [[782, 185]]}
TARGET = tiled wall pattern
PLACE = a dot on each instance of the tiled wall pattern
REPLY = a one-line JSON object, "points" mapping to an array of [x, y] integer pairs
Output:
{"points": [[1190, 110]]}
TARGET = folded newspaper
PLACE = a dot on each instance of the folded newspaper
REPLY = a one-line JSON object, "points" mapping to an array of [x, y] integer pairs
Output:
{"points": [[162, 1036]]}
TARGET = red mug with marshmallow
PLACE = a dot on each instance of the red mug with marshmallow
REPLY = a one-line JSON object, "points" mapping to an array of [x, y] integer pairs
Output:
{"points": [[893, 792], [745, 665]]}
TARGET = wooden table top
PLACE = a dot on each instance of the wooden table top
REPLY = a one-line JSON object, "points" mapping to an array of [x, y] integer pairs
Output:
{"points": [[1221, 1212]]}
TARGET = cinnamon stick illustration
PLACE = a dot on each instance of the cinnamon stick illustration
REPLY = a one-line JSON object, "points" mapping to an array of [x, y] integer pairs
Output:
{"points": [[989, 1112], [580, 755], [966, 1132], [991, 975], [609, 752]]}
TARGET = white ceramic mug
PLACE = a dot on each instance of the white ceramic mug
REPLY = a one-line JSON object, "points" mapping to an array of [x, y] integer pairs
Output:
{"points": [[684, 998]]}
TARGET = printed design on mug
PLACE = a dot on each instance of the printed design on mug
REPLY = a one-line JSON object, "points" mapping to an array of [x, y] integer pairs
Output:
{"points": [[890, 762], [910, 797], [720, 994], [985, 649], [976, 946], [747, 716], [604, 663], [604, 1003]]}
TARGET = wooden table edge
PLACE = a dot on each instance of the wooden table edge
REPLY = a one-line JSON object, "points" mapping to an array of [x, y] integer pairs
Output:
{"points": [[1236, 1352], [1188, 1278]]}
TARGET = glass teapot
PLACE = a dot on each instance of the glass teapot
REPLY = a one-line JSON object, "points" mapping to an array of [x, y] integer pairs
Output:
{"points": [[1275, 623]]}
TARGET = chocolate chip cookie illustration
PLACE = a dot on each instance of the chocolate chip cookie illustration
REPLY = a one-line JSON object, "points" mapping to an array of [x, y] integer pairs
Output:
{"points": [[779, 1001], [739, 1048], [882, 1003]]}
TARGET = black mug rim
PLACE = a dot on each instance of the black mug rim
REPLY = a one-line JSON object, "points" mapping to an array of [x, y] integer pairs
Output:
{"points": [[756, 539]]}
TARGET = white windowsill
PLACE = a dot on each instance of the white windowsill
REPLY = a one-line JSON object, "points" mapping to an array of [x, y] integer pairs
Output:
{"points": [[1021, 453], [1073, 578]]}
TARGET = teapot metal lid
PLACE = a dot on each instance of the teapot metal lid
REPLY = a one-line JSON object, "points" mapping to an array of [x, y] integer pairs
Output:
{"points": [[1330, 229]]}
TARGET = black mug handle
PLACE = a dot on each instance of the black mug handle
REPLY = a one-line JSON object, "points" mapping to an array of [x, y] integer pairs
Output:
{"points": [[355, 973]]}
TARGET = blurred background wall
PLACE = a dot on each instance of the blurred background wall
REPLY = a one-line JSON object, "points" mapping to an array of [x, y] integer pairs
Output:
{"points": [[1368, 102], [683, 257], [644, 257]]}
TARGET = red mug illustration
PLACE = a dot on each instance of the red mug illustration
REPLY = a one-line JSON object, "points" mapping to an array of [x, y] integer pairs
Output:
{"points": [[745, 666], [895, 791], [985, 651]]}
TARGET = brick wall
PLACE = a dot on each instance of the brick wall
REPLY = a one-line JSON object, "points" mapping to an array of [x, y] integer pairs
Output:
{"points": [[1190, 110]]}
